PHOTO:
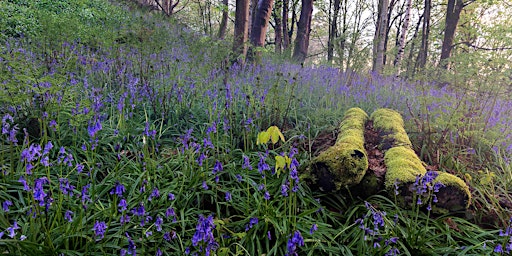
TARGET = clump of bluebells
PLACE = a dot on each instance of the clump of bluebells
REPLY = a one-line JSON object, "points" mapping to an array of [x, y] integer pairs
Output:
{"points": [[378, 232]]}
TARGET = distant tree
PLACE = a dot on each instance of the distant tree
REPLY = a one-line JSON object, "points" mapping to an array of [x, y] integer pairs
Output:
{"points": [[224, 21], [453, 10], [300, 51], [403, 33], [259, 27], [333, 28], [241, 29], [379, 41], [278, 27], [421, 60]]}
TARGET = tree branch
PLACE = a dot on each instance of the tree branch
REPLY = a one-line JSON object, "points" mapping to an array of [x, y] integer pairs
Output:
{"points": [[476, 47]]}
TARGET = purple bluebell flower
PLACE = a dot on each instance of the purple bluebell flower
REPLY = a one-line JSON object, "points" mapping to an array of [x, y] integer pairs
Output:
{"points": [[85, 194], [294, 242], [38, 190], [204, 233], [228, 196], [266, 195], [122, 205], [171, 196], [99, 229], [5, 205], [12, 229], [118, 190], [239, 177], [269, 236], [246, 165], [313, 229], [154, 194], [262, 164], [205, 186], [158, 223], [217, 167], [68, 216], [65, 187], [252, 222], [170, 212], [24, 183]]}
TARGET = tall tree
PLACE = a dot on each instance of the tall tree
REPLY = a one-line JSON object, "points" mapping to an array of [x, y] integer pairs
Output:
{"points": [[453, 11], [224, 21], [241, 29], [421, 61], [300, 51], [259, 27], [286, 38], [380, 36], [333, 29], [403, 34], [278, 28]]}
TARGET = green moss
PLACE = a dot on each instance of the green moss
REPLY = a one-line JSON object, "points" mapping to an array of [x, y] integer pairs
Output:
{"points": [[390, 125], [403, 165], [352, 136], [448, 180], [346, 162]]}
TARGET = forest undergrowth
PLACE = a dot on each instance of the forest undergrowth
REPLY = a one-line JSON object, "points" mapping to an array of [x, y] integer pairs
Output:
{"points": [[126, 133]]}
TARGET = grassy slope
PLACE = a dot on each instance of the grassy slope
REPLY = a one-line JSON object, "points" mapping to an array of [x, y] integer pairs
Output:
{"points": [[147, 122]]}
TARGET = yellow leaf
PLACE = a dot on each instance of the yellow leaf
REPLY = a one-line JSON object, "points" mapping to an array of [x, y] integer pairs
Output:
{"points": [[280, 163], [275, 134], [263, 138]]}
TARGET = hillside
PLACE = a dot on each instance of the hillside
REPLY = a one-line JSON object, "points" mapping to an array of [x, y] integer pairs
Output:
{"points": [[125, 132]]}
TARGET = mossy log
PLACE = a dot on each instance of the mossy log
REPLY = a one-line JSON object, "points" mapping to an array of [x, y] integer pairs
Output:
{"points": [[405, 172], [345, 163], [372, 154]]}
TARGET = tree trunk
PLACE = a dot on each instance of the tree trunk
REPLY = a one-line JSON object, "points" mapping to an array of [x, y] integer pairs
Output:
{"points": [[401, 42], [286, 38], [333, 31], [278, 29], [224, 21], [259, 27], [380, 37], [241, 29], [300, 51], [452, 19], [421, 61]]}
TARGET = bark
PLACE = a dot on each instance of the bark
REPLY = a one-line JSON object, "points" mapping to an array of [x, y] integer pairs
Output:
{"points": [[380, 37], [278, 29], [224, 21], [421, 61], [259, 27], [333, 30], [241, 29], [286, 38], [403, 34], [300, 51], [453, 11]]}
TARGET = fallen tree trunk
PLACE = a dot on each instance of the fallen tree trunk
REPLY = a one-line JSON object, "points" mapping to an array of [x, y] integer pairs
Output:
{"points": [[345, 163], [375, 154]]}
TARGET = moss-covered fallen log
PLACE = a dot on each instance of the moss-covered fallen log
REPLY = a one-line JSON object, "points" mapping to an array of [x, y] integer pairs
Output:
{"points": [[345, 163], [406, 175]]}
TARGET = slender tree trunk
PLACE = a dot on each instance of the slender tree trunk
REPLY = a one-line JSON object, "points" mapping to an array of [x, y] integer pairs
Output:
{"points": [[425, 31], [300, 51], [389, 11], [241, 29], [333, 31], [286, 38], [224, 21], [401, 42], [409, 61], [278, 29], [452, 19], [259, 27], [380, 37]]}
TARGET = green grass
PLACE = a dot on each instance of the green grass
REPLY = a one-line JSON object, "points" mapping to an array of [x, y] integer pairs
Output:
{"points": [[154, 146]]}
